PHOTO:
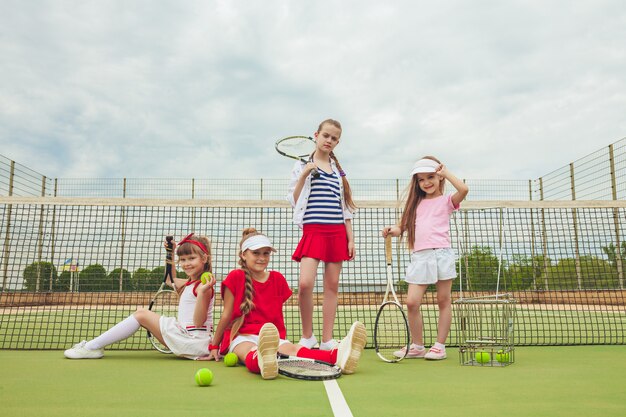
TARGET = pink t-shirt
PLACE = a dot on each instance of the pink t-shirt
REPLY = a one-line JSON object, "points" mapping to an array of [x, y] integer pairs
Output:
{"points": [[432, 223]]}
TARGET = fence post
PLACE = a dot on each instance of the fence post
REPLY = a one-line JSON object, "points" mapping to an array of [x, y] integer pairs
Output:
{"points": [[544, 238], [397, 188], [575, 224], [7, 235], [193, 209], [40, 239], [261, 208], [123, 240], [532, 236], [618, 244], [53, 231]]}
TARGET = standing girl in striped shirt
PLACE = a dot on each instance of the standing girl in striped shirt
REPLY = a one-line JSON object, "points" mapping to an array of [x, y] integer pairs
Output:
{"points": [[323, 208]]}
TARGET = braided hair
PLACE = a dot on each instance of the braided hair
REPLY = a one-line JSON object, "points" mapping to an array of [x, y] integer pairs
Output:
{"points": [[247, 304]]}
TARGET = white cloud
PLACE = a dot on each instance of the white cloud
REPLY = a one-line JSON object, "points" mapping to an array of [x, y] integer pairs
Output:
{"points": [[203, 89]]}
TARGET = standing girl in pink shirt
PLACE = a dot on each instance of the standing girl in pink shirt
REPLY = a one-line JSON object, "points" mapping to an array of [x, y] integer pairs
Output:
{"points": [[426, 221]]}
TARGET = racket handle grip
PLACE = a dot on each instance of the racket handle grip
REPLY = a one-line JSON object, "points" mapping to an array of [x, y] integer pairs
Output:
{"points": [[388, 250], [315, 173], [169, 248]]}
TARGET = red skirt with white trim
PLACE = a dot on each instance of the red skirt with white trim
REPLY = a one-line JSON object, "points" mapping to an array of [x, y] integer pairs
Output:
{"points": [[326, 242]]}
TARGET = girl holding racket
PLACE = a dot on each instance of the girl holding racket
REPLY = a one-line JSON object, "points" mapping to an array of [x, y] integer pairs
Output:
{"points": [[188, 335], [252, 324], [426, 221], [323, 208]]}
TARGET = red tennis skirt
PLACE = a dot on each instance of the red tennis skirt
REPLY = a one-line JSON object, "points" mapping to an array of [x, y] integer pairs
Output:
{"points": [[326, 242]]}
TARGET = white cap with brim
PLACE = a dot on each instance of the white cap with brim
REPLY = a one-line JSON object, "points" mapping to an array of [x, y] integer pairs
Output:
{"points": [[257, 242], [425, 165]]}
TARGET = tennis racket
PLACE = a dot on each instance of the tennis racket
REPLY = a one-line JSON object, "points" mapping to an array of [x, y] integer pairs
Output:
{"points": [[298, 147], [306, 369], [391, 331], [165, 301]]}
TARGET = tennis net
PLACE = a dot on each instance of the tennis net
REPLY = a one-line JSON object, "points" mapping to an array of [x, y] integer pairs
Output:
{"points": [[72, 267]]}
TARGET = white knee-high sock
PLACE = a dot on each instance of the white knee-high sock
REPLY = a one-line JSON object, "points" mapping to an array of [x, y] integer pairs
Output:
{"points": [[120, 331]]}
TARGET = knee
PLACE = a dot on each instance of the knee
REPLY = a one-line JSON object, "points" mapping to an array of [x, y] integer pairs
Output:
{"points": [[444, 301], [305, 286], [141, 313], [331, 287], [412, 304]]}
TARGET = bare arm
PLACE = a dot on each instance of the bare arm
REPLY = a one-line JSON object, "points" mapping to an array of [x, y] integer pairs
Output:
{"points": [[225, 319], [299, 183], [350, 235], [461, 187], [178, 282], [205, 295]]}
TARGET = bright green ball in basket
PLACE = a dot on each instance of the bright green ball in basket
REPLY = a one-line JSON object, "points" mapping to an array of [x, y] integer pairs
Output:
{"points": [[204, 377], [483, 357], [231, 359], [502, 356]]}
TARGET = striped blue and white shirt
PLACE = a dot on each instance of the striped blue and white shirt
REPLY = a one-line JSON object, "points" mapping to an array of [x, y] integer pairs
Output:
{"points": [[324, 206]]}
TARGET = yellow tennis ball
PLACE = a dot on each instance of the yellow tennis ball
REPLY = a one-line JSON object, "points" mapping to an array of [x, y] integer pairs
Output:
{"points": [[206, 277], [231, 359], [204, 377], [502, 356], [483, 357]]}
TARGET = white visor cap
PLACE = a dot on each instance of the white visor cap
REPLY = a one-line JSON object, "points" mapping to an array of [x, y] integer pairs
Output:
{"points": [[425, 165], [257, 242]]}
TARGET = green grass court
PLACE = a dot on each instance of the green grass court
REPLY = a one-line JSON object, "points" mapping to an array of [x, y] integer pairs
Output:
{"points": [[544, 381]]}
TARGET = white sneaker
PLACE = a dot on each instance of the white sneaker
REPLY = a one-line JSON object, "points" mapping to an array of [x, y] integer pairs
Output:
{"points": [[79, 351], [435, 354], [413, 353], [308, 343], [268, 347], [330, 345], [350, 348]]}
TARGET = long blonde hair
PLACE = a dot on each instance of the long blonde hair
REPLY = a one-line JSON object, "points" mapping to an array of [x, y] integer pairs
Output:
{"points": [[414, 196], [347, 191], [247, 304]]}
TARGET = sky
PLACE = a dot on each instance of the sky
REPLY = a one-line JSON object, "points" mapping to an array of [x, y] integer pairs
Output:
{"points": [[203, 89]]}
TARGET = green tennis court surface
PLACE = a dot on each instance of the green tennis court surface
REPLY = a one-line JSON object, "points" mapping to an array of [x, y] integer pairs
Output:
{"points": [[544, 381]]}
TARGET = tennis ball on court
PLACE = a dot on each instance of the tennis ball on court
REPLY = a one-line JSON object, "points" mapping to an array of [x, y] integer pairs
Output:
{"points": [[502, 356], [231, 359], [205, 277], [483, 357], [204, 377]]}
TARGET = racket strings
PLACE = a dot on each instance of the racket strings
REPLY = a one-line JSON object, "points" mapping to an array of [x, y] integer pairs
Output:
{"points": [[307, 368], [296, 147], [165, 303], [391, 331]]}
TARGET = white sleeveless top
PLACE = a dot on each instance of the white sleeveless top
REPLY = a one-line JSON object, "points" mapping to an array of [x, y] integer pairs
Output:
{"points": [[186, 306]]}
